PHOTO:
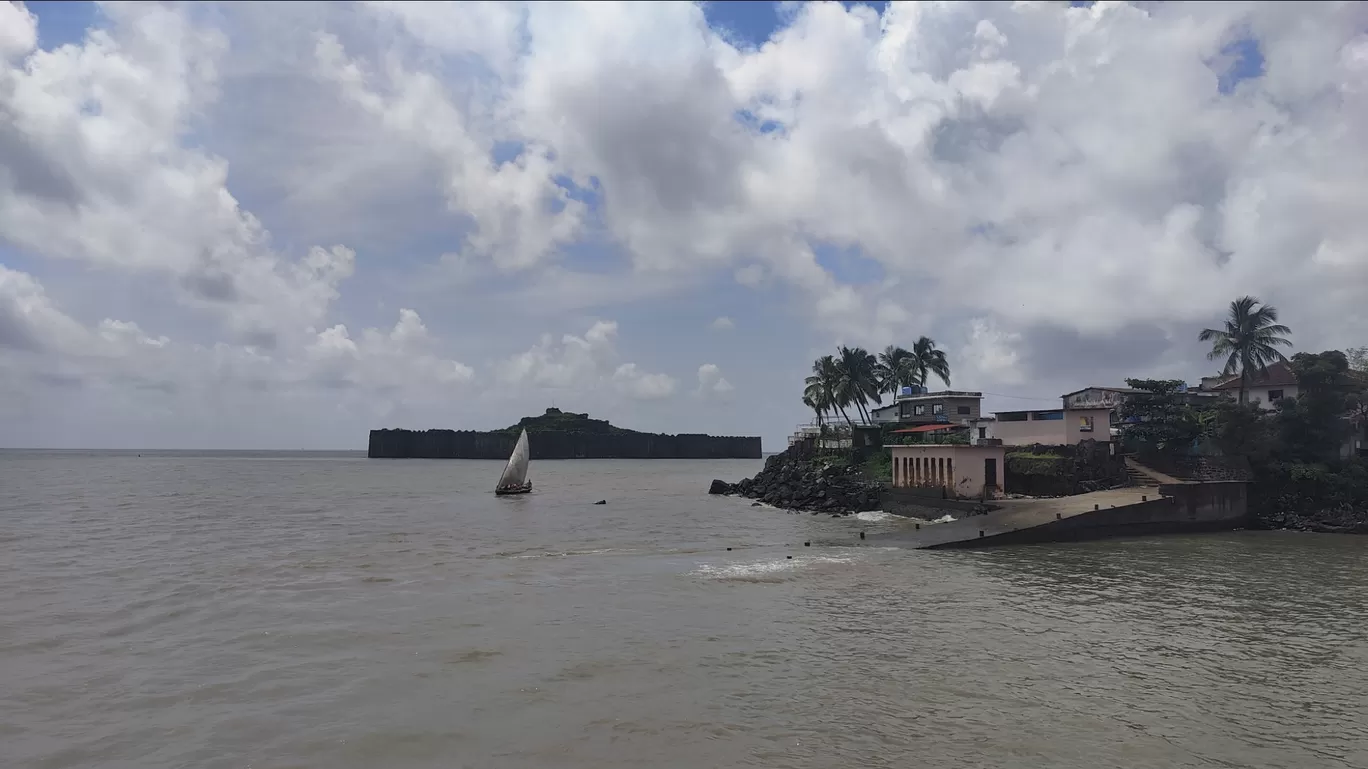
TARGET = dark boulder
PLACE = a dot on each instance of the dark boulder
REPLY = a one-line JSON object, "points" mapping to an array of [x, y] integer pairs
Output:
{"points": [[798, 480]]}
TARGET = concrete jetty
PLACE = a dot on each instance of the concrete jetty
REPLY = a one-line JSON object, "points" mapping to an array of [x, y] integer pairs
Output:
{"points": [[1132, 511]]}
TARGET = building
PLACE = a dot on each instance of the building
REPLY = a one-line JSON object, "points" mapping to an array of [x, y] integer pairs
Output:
{"points": [[1094, 412], [961, 472], [922, 408], [1265, 388], [1022, 428]]}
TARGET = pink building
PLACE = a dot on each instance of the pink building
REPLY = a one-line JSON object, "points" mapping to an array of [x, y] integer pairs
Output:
{"points": [[968, 472]]}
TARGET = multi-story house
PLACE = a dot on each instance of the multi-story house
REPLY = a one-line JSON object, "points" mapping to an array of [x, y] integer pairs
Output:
{"points": [[912, 408]]}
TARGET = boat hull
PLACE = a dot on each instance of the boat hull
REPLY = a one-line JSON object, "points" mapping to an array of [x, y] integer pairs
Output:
{"points": [[527, 489]]}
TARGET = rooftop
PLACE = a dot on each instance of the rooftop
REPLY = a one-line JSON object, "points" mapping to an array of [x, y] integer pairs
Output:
{"points": [[1122, 390], [1276, 375], [941, 394]]}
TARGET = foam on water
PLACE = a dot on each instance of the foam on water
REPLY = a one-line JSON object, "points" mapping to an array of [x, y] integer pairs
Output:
{"points": [[769, 570], [873, 516]]}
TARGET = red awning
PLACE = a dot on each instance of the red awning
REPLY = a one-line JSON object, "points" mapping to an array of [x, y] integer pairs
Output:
{"points": [[927, 428]]}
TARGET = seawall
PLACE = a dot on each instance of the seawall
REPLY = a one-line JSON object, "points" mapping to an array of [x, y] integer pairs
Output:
{"points": [[469, 444], [1176, 508]]}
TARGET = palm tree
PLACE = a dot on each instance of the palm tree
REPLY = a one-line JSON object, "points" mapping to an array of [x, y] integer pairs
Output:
{"points": [[816, 397], [859, 382], [895, 369], [823, 385], [1249, 340], [927, 360]]}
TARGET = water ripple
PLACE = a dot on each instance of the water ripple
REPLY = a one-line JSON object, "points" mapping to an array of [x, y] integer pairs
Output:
{"points": [[171, 611]]}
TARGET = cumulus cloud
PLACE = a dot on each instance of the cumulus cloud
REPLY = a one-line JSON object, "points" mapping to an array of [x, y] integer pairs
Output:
{"points": [[102, 174], [990, 354], [1062, 194], [386, 361], [711, 383], [583, 363], [402, 360], [634, 383]]}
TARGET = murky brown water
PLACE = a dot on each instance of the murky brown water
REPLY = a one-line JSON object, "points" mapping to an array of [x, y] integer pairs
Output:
{"points": [[180, 611]]}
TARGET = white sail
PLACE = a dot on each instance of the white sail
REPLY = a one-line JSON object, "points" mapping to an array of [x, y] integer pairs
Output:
{"points": [[515, 472]]}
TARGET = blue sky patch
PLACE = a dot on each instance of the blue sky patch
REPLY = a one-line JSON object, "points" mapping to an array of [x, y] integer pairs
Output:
{"points": [[755, 123], [62, 23], [752, 22], [848, 264], [1245, 62]]}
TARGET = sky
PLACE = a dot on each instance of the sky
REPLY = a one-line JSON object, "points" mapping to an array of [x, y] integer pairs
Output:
{"points": [[266, 225]]}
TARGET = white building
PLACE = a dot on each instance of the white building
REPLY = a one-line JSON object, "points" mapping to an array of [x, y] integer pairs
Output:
{"points": [[1264, 388]]}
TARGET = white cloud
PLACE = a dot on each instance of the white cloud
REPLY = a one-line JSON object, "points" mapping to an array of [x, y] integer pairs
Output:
{"points": [[511, 204], [990, 355], [101, 175], [1063, 193], [18, 31], [711, 383], [634, 383], [583, 363], [398, 360]]}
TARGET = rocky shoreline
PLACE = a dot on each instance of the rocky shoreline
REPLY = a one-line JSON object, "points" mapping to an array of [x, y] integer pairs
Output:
{"points": [[1344, 520], [795, 481]]}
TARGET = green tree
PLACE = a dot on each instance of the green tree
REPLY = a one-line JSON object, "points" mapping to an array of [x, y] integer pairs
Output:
{"points": [[928, 360], [1313, 426], [1158, 419], [1249, 341], [1242, 430], [811, 402], [823, 385], [859, 381], [895, 369]]}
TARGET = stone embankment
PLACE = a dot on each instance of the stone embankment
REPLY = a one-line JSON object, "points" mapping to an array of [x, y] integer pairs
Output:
{"points": [[796, 481]]}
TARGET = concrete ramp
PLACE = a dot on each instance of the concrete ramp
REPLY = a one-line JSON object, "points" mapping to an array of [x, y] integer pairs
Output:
{"points": [[1170, 508]]}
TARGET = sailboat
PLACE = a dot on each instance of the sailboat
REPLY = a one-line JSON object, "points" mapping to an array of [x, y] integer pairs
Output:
{"points": [[514, 478]]}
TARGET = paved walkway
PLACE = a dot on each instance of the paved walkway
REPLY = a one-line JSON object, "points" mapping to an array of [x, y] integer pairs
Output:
{"points": [[1015, 514]]}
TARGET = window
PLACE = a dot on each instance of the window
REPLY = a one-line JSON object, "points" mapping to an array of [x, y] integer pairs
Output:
{"points": [[983, 433], [1046, 416], [919, 410], [1085, 424], [961, 410], [938, 408], [1274, 395], [1012, 416]]}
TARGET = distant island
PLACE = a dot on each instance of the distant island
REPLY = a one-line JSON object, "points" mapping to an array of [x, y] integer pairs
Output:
{"points": [[558, 435]]}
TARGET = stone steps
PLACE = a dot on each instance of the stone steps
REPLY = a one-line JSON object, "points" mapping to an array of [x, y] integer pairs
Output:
{"points": [[1145, 476]]}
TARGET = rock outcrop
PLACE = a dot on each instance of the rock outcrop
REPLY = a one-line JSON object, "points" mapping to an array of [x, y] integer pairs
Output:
{"points": [[558, 435], [794, 480], [1344, 519]]}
